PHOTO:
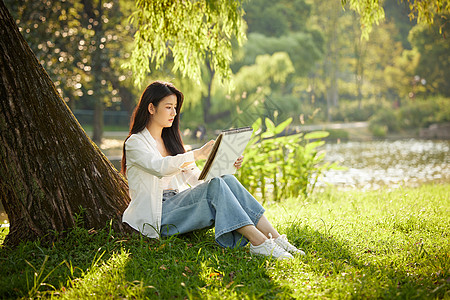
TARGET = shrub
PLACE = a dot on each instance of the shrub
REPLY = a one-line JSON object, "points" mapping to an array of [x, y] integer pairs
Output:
{"points": [[349, 111], [423, 112], [379, 130], [337, 134], [282, 166], [382, 118]]}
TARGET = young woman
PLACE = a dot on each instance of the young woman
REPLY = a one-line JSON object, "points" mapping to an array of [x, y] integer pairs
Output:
{"points": [[166, 196]]}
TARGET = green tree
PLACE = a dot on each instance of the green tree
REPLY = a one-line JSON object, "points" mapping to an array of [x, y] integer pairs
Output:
{"points": [[395, 12], [303, 48], [424, 11], [434, 62], [303, 45], [332, 23], [276, 18], [289, 30], [190, 32], [80, 43], [49, 169], [374, 57], [398, 76], [255, 84]]}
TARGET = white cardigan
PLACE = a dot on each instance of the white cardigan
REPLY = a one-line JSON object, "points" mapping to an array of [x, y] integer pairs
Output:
{"points": [[145, 168]]}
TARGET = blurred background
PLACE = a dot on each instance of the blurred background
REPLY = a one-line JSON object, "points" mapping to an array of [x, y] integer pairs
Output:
{"points": [[385, 101], [305, 57]]}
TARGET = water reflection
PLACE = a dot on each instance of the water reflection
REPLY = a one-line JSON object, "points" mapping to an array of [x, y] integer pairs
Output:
{"points": [[395, 163]]}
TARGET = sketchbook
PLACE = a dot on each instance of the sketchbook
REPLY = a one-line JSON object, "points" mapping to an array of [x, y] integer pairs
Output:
{"points": [[229, 145]]}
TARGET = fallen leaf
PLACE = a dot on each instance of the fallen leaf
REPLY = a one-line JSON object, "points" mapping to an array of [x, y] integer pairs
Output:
{"points": [[228, 285]]}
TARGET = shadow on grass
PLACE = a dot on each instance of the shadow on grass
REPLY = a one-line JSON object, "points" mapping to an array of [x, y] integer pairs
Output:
{"points": [[86, 263], [193, 265], [338, 269]]}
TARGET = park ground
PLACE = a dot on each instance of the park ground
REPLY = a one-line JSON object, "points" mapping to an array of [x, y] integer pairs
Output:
{"points": [[385, 244]]}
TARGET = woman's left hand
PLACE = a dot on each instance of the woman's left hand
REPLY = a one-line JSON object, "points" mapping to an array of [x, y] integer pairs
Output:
{"points": [[238, 162]]}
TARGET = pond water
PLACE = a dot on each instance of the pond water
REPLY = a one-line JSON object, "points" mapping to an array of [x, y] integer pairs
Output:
{"points": [[374, 164]]}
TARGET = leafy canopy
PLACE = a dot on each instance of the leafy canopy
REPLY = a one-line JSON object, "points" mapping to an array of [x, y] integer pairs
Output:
{"points": [[371, 11], [189, 31]]}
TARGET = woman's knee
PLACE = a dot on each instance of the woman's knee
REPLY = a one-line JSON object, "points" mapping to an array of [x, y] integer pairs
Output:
{"points": [[230, 179], [216, 183], [216, 180]]}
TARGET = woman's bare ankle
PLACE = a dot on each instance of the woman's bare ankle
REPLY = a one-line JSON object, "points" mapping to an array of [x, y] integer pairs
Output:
{"points": [[255, 236], [258, 241]]}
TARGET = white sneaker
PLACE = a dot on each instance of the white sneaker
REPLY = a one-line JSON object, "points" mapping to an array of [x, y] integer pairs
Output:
{"points": [[270, 248], [282, 241]]}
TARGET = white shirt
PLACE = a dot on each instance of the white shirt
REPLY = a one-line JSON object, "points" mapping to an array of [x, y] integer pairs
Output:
{"points": [[145, 169], [166, 183]]}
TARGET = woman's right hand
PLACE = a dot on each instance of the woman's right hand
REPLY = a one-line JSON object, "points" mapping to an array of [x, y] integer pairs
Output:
{"points": [[203, 152]]}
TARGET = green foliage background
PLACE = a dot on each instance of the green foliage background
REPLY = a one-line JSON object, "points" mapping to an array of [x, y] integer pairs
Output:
{"points": [[305, 56]]}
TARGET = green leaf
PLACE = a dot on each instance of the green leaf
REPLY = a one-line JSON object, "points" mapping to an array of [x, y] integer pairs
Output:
{"points": [[316, 135], [282, 126], [257, 126], [190, 32], [267, 134], [269, 125]]}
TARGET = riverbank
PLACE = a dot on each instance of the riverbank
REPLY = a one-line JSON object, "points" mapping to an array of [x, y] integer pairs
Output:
{"points": [[371, 164], [372, 244]]}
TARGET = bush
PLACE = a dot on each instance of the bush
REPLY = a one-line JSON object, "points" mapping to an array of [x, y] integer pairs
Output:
{"points": [[350, 112], [411, 115], [379, 130], [335, 134], [285, 166], [387, 118], [423, 112]]}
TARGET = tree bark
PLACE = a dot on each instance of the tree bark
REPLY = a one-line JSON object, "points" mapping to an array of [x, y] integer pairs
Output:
{"points": [[332, 61], [360, 54], [49, 168], [98, 122], [98, 61], [208, 117]]}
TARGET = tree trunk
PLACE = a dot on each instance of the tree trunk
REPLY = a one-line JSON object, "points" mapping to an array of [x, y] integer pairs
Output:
{"points": [[208, 117], [98, 122], [49, 169], [98, 61], [360, 53], [332, 60]]}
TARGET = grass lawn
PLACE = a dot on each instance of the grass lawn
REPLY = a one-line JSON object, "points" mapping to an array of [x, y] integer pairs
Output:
{"points": [[376, 244]]}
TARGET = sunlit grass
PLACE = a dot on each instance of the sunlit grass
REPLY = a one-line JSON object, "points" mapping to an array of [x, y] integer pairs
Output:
{"points": [[376, 244], [371, 244]]}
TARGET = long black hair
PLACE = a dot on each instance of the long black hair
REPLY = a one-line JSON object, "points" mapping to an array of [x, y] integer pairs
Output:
{"points": [[171, 136]]}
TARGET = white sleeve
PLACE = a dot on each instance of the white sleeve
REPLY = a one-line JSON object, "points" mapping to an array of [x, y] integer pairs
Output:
{"points": [[143, 156], [190, 175]]}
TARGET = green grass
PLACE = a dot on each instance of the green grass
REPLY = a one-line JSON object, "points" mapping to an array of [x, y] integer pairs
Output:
{"points": [[375, 244]]}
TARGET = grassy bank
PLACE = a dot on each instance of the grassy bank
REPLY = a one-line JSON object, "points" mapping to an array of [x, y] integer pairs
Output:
{"points": [[378, 244]]}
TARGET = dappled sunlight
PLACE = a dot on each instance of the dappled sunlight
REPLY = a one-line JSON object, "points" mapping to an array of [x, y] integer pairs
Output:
{"points": [[108, 144], [249, 276], [371, 245], [104, 280]]}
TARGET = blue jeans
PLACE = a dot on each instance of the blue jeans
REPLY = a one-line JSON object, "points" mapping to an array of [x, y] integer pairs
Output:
{"points": [[222, 201]]}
